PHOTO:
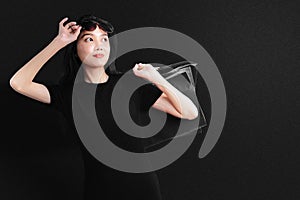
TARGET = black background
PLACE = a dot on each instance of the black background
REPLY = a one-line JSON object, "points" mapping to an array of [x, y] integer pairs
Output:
{"points": [[254, 45]]}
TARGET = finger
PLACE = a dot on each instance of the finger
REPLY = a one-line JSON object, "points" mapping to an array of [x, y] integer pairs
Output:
{"points": [[135, 67], [63, 21], [73, 27], [77, 29], [140, 67], [70, 24]]}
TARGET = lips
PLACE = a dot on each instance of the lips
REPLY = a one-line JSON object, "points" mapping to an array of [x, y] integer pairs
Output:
{"points": [[98, 55]]}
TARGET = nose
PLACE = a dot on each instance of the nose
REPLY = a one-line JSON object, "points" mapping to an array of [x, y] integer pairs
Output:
{"points": [[99, 48]]}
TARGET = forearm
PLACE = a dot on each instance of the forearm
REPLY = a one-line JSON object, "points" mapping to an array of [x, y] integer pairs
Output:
{"points": [[26, 74], [180, 102]]}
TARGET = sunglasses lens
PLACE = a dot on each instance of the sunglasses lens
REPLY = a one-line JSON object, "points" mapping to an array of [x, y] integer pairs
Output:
{"points": [[89, 26]]}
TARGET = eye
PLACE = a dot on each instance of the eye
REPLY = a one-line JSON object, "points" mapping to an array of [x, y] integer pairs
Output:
{"points": [[88, 39], [105, 39]]}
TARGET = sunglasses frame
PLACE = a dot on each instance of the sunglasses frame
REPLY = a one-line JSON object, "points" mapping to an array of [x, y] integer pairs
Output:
{"points": [[92, 25]]}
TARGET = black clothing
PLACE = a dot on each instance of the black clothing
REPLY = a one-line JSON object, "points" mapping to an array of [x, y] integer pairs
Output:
{"points": [[101, 181]]}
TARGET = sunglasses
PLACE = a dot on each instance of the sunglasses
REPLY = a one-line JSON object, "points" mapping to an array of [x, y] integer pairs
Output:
{"points": [[92, 25]]}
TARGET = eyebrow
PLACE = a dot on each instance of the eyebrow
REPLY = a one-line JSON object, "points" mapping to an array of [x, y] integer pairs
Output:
{"points": [[104, 34]]}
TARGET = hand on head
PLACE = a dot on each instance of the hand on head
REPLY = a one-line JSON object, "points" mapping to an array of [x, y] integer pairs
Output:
{"points": [[68, 32]]}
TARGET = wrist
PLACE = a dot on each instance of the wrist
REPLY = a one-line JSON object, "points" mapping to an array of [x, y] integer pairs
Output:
{"points": [[157, 78], [59, 42]]}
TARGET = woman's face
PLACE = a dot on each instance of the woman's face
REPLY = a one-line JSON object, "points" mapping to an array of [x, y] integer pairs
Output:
{"points": [[93, 47]]}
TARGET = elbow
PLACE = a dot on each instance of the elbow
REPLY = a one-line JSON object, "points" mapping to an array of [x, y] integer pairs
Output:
{"points": [[191, 115], [192, 112], [12, 83], [15, 85]]}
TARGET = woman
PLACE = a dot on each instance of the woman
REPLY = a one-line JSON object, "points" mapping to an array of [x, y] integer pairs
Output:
{"points": [[88, 51]]}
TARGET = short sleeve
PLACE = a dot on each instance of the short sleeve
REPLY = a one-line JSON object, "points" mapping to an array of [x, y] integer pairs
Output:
{"points": [[148, 93], [59, 96]]}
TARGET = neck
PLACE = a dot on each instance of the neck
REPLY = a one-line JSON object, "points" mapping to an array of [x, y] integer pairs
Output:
{"points": [[95, 75]]}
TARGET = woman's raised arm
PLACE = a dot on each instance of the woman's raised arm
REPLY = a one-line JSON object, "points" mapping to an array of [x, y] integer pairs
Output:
{"points": [[22, 80], [172, 100]]}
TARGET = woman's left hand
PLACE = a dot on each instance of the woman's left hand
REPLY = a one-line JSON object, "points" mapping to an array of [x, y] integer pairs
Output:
{"points": [[146, 71]]}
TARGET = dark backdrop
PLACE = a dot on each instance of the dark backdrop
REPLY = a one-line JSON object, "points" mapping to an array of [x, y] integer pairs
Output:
{"points": [[254, 46]]}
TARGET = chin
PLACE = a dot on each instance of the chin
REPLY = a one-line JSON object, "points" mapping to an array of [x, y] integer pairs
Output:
{"points": [[96, 64]]}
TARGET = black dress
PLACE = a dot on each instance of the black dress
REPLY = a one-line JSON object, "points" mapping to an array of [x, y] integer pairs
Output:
{"points": [[101, 181]]}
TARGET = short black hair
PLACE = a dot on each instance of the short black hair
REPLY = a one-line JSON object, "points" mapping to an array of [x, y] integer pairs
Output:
{"points": [[91, 19]]}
